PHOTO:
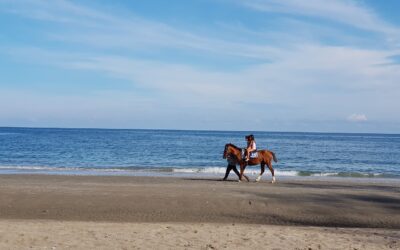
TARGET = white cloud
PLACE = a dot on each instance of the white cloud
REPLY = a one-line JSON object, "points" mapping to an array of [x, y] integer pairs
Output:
{"points": [[357, 118], [301, 77], [348, 12]]}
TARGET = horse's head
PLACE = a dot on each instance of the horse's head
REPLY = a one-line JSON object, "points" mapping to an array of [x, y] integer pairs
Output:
{"points": [[230, 149], [225, 151]]}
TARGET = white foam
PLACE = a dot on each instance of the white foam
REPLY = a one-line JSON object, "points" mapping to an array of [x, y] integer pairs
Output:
{"points": [[191, 170], [286, 173], [324, 174], [220, 170], [27, 168], [210, 170]]}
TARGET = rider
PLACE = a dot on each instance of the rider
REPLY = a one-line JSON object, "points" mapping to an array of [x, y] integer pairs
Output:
{"points": [[251, 146]]}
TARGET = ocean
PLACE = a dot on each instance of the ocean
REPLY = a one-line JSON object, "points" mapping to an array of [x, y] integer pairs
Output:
{"points": [[177, 152]]}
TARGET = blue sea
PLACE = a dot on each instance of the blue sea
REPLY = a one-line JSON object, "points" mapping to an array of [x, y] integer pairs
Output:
{"points": [[174, 152]]}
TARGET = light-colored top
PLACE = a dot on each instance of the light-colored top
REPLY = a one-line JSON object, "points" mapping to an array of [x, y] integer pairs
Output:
{"points": [[253, 146]]}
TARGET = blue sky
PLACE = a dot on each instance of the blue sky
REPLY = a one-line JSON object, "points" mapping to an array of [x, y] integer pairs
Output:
{"points": [[271, 65]]}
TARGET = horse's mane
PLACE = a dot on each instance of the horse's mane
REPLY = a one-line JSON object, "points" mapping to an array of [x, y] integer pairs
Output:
{"points": [[232, 145]]}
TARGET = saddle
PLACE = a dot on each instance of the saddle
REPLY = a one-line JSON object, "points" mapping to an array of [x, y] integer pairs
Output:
{"points": [[253, 154]]}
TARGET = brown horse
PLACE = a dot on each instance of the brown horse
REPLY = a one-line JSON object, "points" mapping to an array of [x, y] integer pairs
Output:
{"points": [[264, 157]]}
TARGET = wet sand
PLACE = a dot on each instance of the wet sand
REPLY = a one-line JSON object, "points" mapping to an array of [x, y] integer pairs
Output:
{"points": [[159, 212]]}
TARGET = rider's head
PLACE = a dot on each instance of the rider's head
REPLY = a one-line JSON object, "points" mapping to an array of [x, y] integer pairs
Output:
{"points": [[249, 137]]}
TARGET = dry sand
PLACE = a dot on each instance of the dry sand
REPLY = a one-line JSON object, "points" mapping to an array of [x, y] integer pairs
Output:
{"points": [[83, 212]]}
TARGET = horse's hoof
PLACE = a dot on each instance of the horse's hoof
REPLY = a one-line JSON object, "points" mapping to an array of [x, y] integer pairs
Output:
{"points": [[273, 180], [239, 181]]}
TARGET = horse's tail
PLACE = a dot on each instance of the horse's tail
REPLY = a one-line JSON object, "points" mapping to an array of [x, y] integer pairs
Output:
{"points": [[273, 155]]}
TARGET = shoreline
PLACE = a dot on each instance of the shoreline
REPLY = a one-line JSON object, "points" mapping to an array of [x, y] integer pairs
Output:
{"points": [[214, 172]]}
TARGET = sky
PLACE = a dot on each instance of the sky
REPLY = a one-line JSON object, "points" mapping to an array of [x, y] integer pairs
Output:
{"points": [[253, 65]]}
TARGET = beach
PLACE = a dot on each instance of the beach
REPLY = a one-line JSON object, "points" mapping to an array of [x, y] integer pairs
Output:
{"points": [[120, 122], [125, 212]]}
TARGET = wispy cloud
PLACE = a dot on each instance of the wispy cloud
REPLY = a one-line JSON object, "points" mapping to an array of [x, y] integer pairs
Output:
{"points": [[131, 32], [348, 12], [344, 69]]}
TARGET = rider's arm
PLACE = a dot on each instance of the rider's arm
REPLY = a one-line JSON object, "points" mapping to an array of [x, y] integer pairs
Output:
{"points": [[251, 146]]}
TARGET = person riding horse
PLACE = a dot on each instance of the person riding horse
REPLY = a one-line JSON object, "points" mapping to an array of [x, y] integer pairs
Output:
{"points": [[251, 146], [235, 155]]}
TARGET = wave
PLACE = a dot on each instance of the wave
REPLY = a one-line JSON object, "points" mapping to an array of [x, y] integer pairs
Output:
{"points": [[347, 174], [9, 133], [86, 169], [221, 170], [182, 170], [293, 173]]}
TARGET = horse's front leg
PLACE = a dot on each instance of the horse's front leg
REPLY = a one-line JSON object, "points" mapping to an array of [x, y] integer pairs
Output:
{"points": [[261, 173]]}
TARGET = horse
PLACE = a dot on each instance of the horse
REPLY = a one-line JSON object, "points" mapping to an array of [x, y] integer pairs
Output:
{"points": [[264, 157]]}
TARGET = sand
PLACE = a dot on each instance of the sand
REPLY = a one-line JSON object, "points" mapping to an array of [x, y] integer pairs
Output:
{"points": [[86, 212]]}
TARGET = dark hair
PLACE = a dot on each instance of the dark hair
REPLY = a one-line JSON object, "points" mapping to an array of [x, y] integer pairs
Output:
{"points": [[251, 137]]}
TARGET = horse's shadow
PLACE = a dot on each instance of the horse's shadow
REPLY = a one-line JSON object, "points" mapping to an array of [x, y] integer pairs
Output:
{"points": [[207, 179]]}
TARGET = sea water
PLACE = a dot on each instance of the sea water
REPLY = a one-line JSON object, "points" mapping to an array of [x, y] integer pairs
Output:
{"points": [[173, 152]]}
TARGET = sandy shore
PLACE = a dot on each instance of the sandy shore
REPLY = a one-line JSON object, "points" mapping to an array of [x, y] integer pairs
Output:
{"points": [[39, 211]]}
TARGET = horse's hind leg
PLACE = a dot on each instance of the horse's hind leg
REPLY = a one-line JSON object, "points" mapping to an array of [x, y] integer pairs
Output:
{"points": [[272, 172], [262, 171]]}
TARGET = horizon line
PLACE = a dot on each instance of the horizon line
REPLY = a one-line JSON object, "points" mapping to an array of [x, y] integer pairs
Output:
{"points": [[201, 130]]}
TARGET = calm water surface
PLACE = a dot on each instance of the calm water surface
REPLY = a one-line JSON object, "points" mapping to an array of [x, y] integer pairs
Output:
{"points": [[110, 151]]}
